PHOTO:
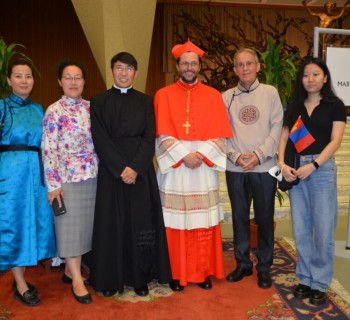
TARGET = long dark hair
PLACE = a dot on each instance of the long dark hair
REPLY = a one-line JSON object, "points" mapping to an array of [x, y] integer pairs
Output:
{"points": [[296, 105]]}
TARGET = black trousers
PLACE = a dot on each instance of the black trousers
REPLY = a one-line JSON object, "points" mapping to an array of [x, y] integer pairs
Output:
{"points": [[261, 188]]}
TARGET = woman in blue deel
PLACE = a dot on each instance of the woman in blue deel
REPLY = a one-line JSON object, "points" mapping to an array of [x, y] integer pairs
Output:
{"points": [[26, 219]]}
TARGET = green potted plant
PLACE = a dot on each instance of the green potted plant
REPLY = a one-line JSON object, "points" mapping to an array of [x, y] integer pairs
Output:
{"points": [[279, 68], [7, 51]]}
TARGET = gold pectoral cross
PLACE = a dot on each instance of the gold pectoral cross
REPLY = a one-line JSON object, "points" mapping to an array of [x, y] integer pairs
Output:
{"points": [[187, 126]]}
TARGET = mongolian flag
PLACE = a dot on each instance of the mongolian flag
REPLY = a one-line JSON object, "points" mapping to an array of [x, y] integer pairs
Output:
{"points": [[300, 136]]}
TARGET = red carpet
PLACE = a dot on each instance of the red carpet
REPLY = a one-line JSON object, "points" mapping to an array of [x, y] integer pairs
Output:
{"points": [[242, 300]]}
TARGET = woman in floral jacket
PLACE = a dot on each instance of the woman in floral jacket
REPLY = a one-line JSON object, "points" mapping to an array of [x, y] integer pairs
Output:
{"points": [[70, 164]]}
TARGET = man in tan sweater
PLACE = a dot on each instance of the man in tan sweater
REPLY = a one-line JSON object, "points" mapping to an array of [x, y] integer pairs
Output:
{"points": [[256, 116]]}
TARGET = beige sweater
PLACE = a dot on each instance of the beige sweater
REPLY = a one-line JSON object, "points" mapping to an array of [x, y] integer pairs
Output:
{"points": [[256, 119]]}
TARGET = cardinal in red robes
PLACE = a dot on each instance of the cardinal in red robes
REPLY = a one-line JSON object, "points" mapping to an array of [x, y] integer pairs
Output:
{"points": [[191, 130]]}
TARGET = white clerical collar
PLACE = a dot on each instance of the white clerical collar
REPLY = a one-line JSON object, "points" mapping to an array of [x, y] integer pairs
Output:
{"points": [[122, 90]]}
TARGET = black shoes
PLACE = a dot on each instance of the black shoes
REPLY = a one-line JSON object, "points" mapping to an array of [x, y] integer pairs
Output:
{"points": [[109, 293], [142, 291], [175, 285], [317, 297], [29, 285], [302, 291], [68, 280], [206, 284], [238, 274], [29, 298], [86, 299], [264, 279]]}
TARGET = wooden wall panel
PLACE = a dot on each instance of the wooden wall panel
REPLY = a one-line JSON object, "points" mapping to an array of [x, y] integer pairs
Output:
{"points": [[50, 31], [167, 8], [155, 75]]}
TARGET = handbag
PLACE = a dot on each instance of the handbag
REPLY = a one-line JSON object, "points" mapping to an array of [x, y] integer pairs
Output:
{"points": [[292, 159]]}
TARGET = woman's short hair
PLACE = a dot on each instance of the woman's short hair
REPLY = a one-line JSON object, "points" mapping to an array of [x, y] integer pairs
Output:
{"points": [[66, 63]]}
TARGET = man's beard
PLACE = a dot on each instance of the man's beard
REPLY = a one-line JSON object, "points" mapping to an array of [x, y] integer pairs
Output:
{"points": [[193, 80]]}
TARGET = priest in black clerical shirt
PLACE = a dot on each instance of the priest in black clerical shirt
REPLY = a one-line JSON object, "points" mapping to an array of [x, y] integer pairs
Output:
{"points": [[129, 243]]}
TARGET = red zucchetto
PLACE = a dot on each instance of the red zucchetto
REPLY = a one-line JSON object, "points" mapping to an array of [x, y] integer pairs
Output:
{"points": [[188, 46]]}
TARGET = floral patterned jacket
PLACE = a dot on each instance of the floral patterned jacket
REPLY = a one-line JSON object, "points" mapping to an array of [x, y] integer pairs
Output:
{"points": [[67, 147]]}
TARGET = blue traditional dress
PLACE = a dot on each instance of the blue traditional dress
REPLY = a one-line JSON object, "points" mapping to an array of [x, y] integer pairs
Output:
{"points": [[26, 219]]}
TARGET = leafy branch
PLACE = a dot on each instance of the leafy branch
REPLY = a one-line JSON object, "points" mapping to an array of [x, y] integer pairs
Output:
{"points": [[7, 51]]}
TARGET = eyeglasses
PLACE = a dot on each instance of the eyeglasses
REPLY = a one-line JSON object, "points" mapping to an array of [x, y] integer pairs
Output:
{"points": [[187, 64], [76, 78], [248, 64], [128, 69]]}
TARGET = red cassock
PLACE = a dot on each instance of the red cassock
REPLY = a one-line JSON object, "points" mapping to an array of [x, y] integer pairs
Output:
{"points": [[191, 113]]}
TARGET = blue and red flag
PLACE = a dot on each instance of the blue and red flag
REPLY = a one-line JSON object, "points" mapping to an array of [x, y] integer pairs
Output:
{"points": [[300, 136]]}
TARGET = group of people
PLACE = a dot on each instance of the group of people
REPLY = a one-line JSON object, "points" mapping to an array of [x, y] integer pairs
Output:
{"points": [[97, 158]]}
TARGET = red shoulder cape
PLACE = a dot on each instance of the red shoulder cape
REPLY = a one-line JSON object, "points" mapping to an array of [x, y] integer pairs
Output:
{"points": [[207, 113]]}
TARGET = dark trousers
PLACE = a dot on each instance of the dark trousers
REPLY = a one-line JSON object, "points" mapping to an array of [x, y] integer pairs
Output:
{"points": [[261, 187]]}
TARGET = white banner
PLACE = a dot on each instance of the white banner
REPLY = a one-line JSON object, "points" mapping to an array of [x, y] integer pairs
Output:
{"points": [[338, 62]]}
